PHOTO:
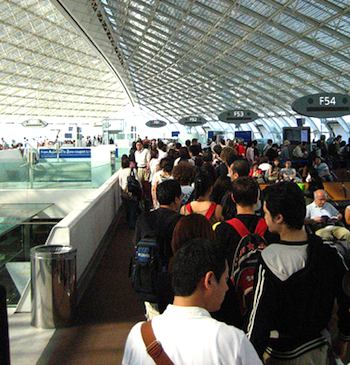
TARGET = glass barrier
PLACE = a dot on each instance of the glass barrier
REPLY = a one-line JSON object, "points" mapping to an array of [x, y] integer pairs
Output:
{"points": [[22, 226], [27, 171]]}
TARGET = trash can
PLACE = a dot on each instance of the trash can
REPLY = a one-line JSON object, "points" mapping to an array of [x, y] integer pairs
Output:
{"points": [[53, 284], [4, 332]]}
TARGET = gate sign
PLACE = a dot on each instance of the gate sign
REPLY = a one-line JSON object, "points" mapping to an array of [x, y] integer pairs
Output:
{"points": [[238, 116], [324, 105], [156, 123], [192, 121]]}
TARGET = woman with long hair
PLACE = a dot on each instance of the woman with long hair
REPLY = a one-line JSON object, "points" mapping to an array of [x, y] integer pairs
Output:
{"points": [[203, 187]]}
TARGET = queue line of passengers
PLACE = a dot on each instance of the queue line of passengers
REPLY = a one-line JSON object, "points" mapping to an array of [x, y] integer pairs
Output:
{"points": [[296, 281]]}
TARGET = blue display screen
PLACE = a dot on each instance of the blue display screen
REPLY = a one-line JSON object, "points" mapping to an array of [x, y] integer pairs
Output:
{"points": [[65, 153], [245, 135]]}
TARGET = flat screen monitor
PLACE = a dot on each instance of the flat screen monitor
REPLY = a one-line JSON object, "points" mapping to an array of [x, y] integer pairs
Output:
{"points": [[246, 136], [296, 134]]}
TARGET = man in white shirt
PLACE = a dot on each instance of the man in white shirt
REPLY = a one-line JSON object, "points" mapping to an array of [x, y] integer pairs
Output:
{"points": [[186, 331], [142, 158], [325, 219]]}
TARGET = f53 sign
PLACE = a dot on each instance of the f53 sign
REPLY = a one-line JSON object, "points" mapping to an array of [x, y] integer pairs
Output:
{"points": [[238, 116], [325, 105]]}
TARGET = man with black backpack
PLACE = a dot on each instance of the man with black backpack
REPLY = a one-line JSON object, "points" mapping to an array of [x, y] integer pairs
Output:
{"points": [[242, 239], [153, 235], [296, 284]]}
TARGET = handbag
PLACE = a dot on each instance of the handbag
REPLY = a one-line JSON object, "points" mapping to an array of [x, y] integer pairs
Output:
{"points": [[133, 186], [154, 348]]}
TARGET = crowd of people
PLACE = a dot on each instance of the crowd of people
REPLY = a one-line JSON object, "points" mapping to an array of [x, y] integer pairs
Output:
{"points": [[197, 202]]}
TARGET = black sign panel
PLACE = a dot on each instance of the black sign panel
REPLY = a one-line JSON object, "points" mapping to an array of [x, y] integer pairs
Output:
{"points": [[155, 123], [324, 105], [192, 121], [238, 116]]}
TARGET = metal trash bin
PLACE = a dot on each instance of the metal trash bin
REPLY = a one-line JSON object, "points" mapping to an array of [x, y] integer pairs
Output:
{"points": [[4, 331], [53, 284]]}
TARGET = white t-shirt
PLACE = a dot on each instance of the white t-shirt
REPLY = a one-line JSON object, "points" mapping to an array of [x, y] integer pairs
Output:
{"points": [[190, 161], [250, 154], [142, 157], [161, 154], [153, 167], [123, 177], [284, 260], [159, 177], [190, 336]]}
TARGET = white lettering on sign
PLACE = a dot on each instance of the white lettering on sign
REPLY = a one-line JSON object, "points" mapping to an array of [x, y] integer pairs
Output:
{"points": [[327, 100], [238, 113]]}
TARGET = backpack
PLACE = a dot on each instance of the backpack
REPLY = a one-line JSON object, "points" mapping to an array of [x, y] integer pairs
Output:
{"points": [[343, 249], [133, 186], [146, 267], [245, 260]]}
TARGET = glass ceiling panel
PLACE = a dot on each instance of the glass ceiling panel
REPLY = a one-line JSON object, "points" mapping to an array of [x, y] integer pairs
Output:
{"points": [[186, 56]]}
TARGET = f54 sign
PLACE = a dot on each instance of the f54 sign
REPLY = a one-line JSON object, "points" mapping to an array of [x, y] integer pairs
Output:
{"points": [[325, 105]]}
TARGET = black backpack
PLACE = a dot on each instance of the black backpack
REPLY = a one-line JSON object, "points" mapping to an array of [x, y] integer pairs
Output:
{"points": [[133, 186], [146, 266]]}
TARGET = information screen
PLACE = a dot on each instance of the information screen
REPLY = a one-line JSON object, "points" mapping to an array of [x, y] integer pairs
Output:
{"points": [[296, 134], [246, 136]]}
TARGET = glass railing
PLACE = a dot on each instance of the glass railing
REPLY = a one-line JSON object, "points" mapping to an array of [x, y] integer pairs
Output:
{"points": [[29, 172], [22, 226]]}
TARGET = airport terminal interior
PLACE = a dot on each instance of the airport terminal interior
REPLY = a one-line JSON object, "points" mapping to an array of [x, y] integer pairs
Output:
{"points": [[81, 81]]}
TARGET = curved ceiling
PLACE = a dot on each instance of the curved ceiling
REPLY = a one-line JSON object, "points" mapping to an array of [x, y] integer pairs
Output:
{"points": [[90, 58], [48, 69], [204, 56]]}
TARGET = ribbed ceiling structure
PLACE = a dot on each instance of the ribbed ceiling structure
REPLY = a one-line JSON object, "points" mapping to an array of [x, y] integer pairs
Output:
{"points": [[47, 68], [205, 56], [90, 58]]}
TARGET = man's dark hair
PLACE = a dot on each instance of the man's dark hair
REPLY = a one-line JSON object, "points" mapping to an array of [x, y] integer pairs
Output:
{"points": [[177, 145], [167, 191], [195, 149], [187, 143], [183, 153], [207, 156], [166, 164], [184, 173], [228, 155], [192, 261], [125, 162], [217, 149], [241, 167], [245, 190], [154, 153], [287, 199]]}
